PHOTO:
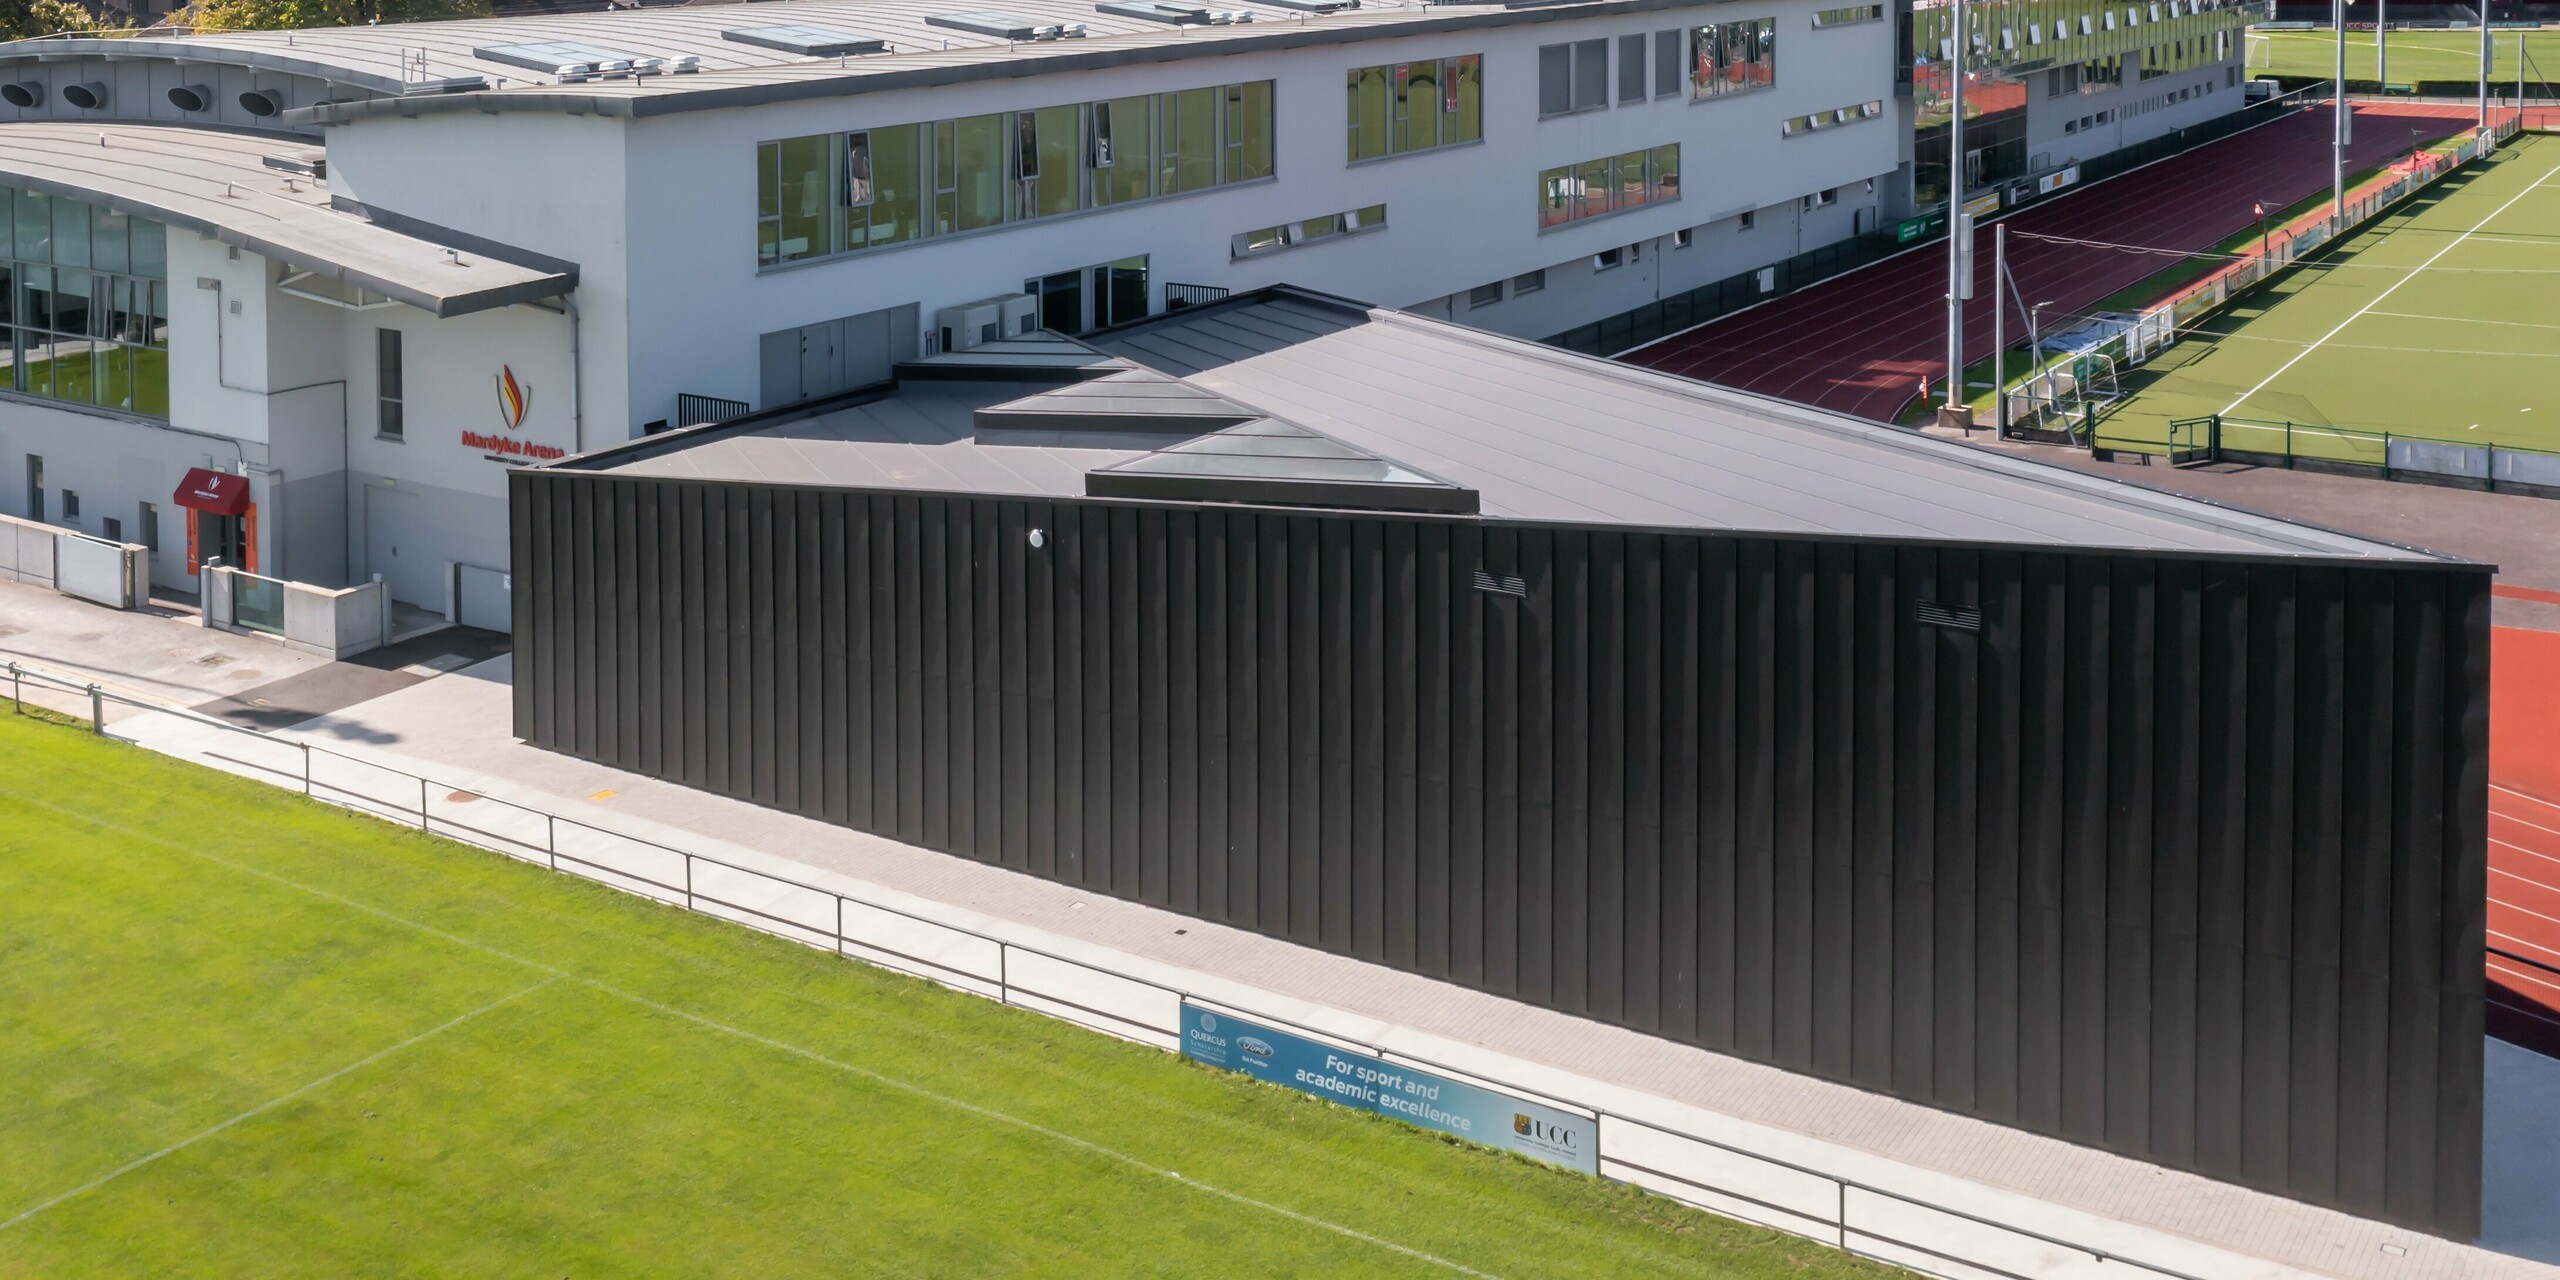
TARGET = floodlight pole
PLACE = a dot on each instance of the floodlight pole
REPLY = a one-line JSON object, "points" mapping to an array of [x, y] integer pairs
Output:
{"points": [[2382, 46], [1957, 257], [2484, 63], [2338, 131], [1999, 331]]}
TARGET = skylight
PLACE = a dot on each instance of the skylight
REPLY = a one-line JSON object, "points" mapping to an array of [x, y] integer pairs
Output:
{"points": [[559, 57], [807, 41], [1006, 26]]}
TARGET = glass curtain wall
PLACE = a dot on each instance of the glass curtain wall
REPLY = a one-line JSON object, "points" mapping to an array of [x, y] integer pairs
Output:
{"points": [[1733, 57], [84, 297], [1413, 106], [843, 192], [1609, 184]]}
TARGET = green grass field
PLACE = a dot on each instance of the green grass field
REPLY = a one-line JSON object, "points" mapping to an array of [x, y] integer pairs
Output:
{"points": [[2415, 55], [2434, 322], [249, 1035]]}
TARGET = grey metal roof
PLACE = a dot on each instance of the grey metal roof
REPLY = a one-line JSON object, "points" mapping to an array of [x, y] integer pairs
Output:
{"points": [[1365, 408], [219, 183], [384, 59], [1549, 436], [922, 438]]}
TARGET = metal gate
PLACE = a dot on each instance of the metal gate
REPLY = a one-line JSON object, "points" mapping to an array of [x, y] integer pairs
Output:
{"points": [[2193, 441]]}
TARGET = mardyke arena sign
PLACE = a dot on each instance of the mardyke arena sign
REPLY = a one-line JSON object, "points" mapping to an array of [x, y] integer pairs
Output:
{"points": [[1390, 1089]]}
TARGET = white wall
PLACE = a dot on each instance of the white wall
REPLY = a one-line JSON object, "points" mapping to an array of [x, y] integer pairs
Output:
{"points": [[2138, 111], [659, 213]]}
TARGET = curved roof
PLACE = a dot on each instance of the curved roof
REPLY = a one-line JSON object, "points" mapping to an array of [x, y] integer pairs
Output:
{"points": [[499, 64], [221, 183]]}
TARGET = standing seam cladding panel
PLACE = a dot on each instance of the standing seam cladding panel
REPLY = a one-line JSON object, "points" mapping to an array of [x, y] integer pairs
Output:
{"points": [[2184, 860]]}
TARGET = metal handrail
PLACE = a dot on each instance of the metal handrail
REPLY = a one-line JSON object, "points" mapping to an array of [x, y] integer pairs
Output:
{"points": [[1005, 988]]}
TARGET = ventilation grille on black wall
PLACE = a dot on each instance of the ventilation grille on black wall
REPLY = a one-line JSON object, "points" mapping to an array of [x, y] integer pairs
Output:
{"points": [[1954, 617], [1502, 584]]}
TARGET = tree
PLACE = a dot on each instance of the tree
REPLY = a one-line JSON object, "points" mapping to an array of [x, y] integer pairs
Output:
{"points": [[277, 15], [27, 19]]}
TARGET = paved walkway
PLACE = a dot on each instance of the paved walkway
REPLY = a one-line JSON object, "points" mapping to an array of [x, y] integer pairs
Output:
{"points": [[455, 728]]}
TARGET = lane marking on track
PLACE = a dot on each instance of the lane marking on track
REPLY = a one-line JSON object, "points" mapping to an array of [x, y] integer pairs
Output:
{"points": [[2520, 909], [557, 974], [2420, 269], [269, 1105], [2530, 853]]}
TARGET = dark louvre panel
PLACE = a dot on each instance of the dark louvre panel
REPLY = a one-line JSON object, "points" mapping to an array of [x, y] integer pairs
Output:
{"points": [[2182, 858]]}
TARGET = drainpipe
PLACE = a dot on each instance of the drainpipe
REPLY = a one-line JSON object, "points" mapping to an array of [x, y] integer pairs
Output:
{"points": [[577, 373]]}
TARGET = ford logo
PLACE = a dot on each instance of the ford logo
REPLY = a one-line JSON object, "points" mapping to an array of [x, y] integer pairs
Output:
{"points": [[1258, 1048]]}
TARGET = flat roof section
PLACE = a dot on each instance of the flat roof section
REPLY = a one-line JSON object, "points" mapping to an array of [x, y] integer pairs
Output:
{"points": [[701, 64], [923, 438], [219, 183], [1549, 436]]}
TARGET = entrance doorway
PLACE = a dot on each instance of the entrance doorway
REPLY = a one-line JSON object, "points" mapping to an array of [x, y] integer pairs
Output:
{"points": [[220, 537], [1089, 298]]}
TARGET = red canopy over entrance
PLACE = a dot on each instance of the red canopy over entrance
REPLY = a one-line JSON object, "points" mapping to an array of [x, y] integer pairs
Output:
{"points": [[213, 492]]}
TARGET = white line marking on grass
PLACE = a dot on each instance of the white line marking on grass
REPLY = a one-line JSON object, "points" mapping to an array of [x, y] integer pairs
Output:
{"points": [[2449, 247], [2512, 324], [557, 974], [270, 1105]]}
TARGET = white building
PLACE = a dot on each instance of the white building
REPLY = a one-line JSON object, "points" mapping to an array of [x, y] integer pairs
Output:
{"points": [[367, 269]]}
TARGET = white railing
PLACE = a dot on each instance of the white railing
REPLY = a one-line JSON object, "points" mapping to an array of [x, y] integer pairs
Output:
{"points": [[1720, 1177]]}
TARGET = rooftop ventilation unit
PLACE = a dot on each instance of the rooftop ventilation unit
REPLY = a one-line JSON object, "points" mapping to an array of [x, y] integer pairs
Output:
{"points": [[684, 64], [808, 42], [88, 96], [1180, 15], [1006, 26], [23, 94], [975, 324], [1314, 6], [563, 58], [262, 102], [191, 97]]}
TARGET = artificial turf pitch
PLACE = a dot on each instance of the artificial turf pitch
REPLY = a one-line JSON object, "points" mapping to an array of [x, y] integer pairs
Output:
{"points": [[247, 1034], [2415, 55], [2435, 322]]}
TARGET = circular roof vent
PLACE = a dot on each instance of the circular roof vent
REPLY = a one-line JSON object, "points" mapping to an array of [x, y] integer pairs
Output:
{"points": [[191, 97], [23, 94], [88, 96], [262, 102]]}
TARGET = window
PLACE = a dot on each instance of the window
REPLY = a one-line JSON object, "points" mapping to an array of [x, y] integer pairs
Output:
{"points": [[1631, 62], [1744, 221], [35, 488], [1091, 298], [1680, 239], [1529, 282], [1309, 230], [149, 526], [1794, 125], [1573, 77], [111, 529], [389, 403], [1413, 106], [1844, 17], [890, 184], [1607, 258], [1484, 295], [1609, 184], [84, 304], [71, 506], [1732, 57]]}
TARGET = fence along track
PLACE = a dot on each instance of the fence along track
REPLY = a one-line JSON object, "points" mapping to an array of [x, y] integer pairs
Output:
{"points": [[1849, 1214]]}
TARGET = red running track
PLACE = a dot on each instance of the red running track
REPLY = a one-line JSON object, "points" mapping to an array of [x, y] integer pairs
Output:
{"points": [[2524, 836], [1861, 342]]}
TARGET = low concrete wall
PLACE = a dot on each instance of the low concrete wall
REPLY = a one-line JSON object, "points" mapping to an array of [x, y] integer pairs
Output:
{"points": [[26, 551], [326, 622], [114, 574]]}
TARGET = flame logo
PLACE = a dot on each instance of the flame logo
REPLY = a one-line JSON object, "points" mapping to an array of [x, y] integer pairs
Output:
{"points": [[513, 398]]}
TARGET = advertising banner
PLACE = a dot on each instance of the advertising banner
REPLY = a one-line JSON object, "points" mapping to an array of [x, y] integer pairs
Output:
{"points": [[1391, 1089]]}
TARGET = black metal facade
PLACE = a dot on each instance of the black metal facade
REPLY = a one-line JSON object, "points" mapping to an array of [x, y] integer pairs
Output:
{"points": [[2181, 858]]}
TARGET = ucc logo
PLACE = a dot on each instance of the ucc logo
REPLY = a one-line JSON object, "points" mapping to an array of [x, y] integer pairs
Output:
{"points": [[1537, 1130]]}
